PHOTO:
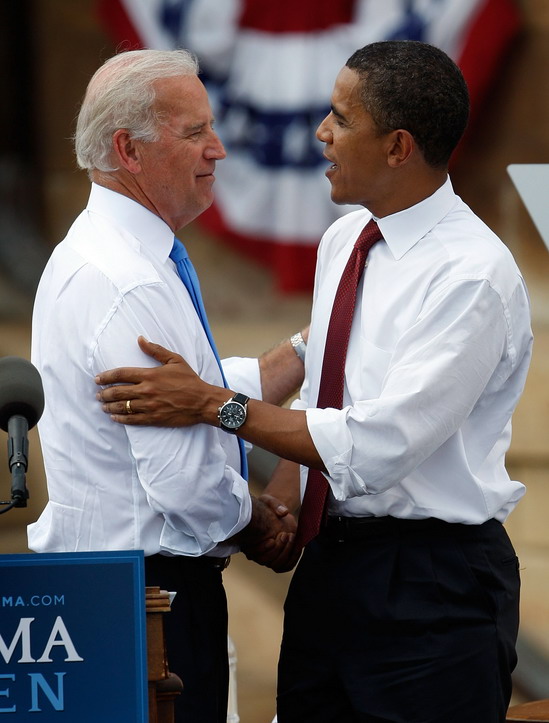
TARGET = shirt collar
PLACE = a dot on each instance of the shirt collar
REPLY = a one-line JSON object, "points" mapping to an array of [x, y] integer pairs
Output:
{"points": [[134, 219], [404, 229]]}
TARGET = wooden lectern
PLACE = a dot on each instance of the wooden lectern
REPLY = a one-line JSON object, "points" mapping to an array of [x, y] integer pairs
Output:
{"points": [[164, 686], [535, 712]]}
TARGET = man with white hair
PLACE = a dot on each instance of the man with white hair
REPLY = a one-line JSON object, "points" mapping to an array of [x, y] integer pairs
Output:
{"points": [[145, 135]]}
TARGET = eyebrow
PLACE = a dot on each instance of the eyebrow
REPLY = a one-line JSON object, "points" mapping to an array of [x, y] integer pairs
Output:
{"points": [[193, 127]]}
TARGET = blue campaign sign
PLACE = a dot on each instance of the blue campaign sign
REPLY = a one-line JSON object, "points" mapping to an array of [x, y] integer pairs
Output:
{"points": [[73, 637]]}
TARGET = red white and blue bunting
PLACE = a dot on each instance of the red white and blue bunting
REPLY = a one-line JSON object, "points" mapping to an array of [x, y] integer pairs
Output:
{"points": [[269, 66]]}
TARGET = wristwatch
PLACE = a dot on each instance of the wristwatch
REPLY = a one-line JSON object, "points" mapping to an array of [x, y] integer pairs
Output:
{"points": [[232, 414]]}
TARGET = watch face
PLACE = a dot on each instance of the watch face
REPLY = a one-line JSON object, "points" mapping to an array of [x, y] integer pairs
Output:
{"points": [[233, 415]]}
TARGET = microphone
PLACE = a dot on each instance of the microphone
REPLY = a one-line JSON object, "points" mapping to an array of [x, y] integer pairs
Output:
{"points": [[21, 406]]}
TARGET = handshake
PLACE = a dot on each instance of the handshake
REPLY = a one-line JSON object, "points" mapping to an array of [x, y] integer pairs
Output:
{"points": [[269, 538]]}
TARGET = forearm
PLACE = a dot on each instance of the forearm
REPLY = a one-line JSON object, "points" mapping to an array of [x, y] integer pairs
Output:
{"points": [[173, 395], [282, 371], [284, 485], [283, 432]]}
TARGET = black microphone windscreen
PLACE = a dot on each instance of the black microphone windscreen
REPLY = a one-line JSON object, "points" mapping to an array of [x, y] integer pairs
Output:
{"points": [[21, 391]]}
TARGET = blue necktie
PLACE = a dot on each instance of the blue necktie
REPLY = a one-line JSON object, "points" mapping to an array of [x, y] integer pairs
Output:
{"points": [[189, 277]]}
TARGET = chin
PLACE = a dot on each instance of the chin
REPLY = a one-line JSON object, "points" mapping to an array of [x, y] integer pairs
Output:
{"points": [[340, 200], [345, 199]]}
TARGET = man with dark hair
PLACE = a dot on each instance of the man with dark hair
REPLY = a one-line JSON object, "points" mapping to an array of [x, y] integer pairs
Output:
{"points": [[404, 605], [400, 93]]}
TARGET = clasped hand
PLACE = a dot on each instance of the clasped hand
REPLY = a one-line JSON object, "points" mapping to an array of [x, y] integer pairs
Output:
{"points": [[270, 536]]}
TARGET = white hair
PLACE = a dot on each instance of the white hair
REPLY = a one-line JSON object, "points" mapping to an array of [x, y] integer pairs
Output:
{"points": [[121, 94]]}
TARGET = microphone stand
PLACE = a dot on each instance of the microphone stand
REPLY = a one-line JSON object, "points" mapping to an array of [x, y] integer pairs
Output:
{"points": [[18, 450]]}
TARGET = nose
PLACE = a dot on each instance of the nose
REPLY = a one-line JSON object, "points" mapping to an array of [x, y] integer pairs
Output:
{"points": [[215, 149], [323, 132]]}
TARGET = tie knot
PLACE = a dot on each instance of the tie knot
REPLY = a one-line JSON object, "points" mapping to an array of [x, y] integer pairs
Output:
{"points": [[178, 252], [368, 236]]}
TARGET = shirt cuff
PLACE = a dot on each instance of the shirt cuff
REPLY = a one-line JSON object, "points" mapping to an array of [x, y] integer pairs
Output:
{"points": [[213, 540], [333, 441]]}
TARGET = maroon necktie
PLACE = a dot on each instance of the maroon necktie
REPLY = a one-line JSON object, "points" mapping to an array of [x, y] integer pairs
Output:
{"points": [[330, 393]]}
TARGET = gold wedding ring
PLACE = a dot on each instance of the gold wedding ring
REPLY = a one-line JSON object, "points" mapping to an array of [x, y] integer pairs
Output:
{"points": [[129, 407]]}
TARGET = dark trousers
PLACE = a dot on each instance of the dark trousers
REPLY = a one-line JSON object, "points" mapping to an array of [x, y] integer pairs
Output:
{"points": [[196, 634], [407, 623]]}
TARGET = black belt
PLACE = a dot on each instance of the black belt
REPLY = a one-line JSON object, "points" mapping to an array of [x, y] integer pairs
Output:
{"points": [[342, 529], [216, 563]]}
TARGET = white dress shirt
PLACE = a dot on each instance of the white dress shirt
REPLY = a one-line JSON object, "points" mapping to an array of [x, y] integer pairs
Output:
{"points": [[437, 359], [114, 487]]}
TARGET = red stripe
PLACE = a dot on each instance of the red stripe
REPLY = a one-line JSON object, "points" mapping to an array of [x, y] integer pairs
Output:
{"points": [[488, 38], [112, 14], [295, 16], [292, 263]]}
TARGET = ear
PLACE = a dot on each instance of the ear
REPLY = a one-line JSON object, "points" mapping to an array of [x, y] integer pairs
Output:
{"points": [[126, 152], [401, 148]]}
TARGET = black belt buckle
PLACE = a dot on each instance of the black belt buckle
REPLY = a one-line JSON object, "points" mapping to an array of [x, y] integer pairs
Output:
{"points": [[220, 563], [338, 528]]}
